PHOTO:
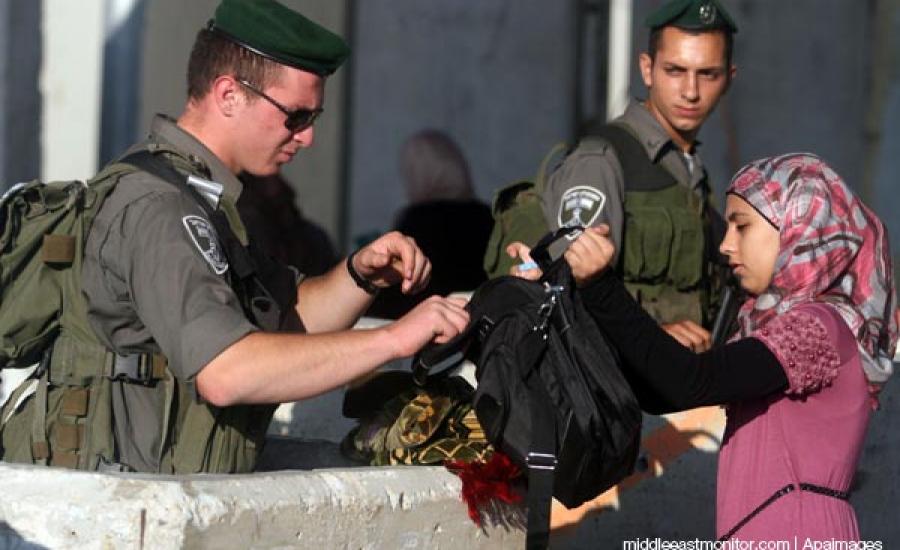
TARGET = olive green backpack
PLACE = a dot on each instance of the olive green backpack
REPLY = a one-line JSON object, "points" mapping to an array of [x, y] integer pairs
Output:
{"points": [[43, 227], [42, 231], [62, 415], [518, 216]]}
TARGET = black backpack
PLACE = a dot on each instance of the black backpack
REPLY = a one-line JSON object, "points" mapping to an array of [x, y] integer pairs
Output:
{"points": [[550, 392]]}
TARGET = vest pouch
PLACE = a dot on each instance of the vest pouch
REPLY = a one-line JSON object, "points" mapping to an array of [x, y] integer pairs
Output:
{"points": [[649, 231], [686, 269], [74, 418], [67, 410], [217, 440], [667, 304]]}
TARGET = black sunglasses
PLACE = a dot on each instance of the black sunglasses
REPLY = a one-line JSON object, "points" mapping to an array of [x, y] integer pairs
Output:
{"points": [[296, 121]]}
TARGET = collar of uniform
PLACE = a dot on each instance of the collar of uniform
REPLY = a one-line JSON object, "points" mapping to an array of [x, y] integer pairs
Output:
{"points": [[652, 136], [167, 129]]}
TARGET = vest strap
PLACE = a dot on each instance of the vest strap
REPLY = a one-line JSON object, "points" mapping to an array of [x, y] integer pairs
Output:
{"points": [[40, 449], [241, 263], [25, 389], [641, 173]]}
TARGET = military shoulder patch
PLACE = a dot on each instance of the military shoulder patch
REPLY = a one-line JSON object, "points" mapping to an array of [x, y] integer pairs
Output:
{"points": [[580, 205], [206, 241]]}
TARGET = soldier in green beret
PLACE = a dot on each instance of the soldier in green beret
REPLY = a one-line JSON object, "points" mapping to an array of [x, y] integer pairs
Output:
{"points": [[191, 335], [642, 174]]}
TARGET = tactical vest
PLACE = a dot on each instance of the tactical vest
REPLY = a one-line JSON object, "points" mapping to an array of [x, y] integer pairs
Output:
{"points": [[67, 420], [518, 216], [667, 241]]}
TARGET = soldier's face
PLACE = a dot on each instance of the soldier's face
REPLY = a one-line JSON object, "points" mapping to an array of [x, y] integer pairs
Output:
{"points": [[751, 244], [686, 80], [265, 142]]}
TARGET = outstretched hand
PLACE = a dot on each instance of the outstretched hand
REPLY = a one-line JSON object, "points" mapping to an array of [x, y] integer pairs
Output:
{"points": [[394, 258], [527, 269], [435, 320]]}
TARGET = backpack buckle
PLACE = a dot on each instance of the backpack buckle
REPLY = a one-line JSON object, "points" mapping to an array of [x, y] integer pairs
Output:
{"points": [[136, 368], [546, 309], [541, 461]]}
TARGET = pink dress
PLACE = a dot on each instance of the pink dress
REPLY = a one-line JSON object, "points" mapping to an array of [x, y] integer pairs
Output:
{"points": [[811, 434]]}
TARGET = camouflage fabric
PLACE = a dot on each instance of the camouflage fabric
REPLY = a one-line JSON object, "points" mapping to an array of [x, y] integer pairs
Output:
{"points": [[419, 426]]}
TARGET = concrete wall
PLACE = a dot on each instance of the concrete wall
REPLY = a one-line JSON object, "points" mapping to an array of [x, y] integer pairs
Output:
{"points": [[20, 102], [368, 508], [497, 75], [501, 77], [883, 121], [122, 58]]}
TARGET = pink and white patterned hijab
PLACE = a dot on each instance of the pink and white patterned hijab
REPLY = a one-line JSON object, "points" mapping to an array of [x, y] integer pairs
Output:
{"points": [[833, 250]]}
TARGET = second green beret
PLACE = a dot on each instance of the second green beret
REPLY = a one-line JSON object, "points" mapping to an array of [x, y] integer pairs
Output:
{"points": [[692, 15]]}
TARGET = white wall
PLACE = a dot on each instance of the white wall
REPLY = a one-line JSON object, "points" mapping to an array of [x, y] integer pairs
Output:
{"points": [[70, 82], [497, 75]]}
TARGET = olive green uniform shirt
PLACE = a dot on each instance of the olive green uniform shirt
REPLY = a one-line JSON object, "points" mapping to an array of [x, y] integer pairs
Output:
{"points": [[588, 188], [155, 278]]}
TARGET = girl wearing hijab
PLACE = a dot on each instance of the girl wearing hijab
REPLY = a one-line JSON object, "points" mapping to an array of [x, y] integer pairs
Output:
{"points": [[801, 376]]}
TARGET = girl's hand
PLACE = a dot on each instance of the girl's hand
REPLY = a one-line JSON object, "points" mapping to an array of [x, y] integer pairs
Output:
{"points": [[591, 254]]}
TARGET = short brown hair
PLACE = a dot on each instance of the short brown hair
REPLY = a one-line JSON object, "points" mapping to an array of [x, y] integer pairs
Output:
{"points": [[213, 56]]}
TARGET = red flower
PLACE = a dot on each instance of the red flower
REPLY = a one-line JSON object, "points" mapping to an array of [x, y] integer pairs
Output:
{"points": [[483, 482]]}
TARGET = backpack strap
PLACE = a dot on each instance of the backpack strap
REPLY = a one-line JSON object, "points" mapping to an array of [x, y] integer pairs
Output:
{"points": [[251, 271], [241, 261], [548, 251], [40, 449], [541, 460]]}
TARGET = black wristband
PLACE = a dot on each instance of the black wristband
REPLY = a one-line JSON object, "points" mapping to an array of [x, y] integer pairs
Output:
{"points": [[360, 281]]}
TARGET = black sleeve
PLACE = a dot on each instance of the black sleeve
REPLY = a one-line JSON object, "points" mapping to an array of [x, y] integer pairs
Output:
{"points": [[667, 376]]}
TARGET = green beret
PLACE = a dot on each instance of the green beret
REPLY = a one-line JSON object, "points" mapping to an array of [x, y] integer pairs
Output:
{"points": [[692, 15], [274, 31]]}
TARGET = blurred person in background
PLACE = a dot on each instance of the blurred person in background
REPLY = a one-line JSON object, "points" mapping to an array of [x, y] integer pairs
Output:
{"points": [[268, 207], [447, 221]]}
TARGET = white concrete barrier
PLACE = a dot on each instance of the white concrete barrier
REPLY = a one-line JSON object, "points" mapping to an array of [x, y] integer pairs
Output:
{"points": [[365, 508]]}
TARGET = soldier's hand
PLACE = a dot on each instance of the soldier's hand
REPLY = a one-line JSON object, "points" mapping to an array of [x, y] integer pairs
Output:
{"points": [[690, 335], [436, 319], [590, 254], [528, 269], [394, 258]]}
